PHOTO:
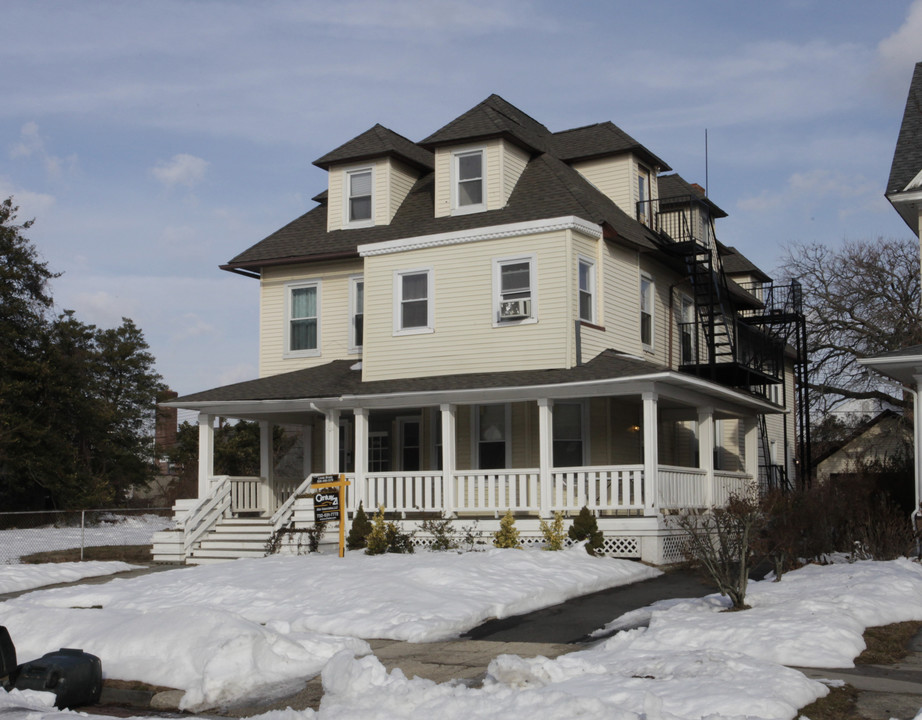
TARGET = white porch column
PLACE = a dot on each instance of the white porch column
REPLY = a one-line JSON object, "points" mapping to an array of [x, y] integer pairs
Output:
{"points": [[307, 456], [751, 452], [650, 453], [449, 459], [205, 453], [361, 459], [267, 486], [331, 441], [545, 454], [706, 451], [917, 434]]}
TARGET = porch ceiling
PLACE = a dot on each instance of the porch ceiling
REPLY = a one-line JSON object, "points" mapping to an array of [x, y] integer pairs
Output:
{"points": [[293, 397]]}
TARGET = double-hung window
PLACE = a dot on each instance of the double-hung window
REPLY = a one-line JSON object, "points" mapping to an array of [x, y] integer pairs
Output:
{"points": [[357, 314], [568, 434], [587, 290], [513, 282], [646, 312], [304, 318], [413, 301], [359, 184], [492, 434], [687, 330], [468, 181]]}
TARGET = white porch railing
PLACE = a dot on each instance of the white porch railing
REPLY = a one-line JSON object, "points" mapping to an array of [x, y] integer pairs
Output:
{"points": [[400, 491], [733, 483], [681, 487], [495, 491], [202, 517], [598, 488], [245, 493]]}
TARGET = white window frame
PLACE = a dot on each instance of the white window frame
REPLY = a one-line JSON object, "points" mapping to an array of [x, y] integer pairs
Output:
{"points": [[398, 302], [591, 291], [507, 434], [289, 288], [498, 264], [354, 347], [456, 207], [648, 298], [348, 222]]}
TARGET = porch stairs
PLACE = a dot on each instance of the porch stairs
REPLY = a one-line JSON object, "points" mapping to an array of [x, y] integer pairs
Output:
{"points": [[233, 536]]}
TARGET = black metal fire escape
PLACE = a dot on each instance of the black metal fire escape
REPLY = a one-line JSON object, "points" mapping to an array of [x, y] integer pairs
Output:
{"points": [[743, 346]]}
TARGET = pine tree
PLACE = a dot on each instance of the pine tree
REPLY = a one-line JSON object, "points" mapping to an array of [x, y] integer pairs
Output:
{"points": [[553, 532], [507, 536], [358, 533], [585, 527]]}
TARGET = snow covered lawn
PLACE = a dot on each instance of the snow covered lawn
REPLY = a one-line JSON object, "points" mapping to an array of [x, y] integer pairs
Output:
{"points": [[221, 632], [14, 578]]}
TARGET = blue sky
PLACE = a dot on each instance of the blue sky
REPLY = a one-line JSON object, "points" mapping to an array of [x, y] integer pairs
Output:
{"points": [[154, 141]]}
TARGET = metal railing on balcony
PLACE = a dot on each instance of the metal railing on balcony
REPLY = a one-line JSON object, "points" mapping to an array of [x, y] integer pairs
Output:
{"points": [[683, 218]]}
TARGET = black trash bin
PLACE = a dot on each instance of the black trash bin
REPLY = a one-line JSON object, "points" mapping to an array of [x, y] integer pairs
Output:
{"points": [[75, 677], [7, 656]]}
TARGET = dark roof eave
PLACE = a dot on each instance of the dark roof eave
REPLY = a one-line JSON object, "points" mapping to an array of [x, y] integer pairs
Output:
{"points": [[372, 156], [254, 265], [638, 150], [502, 134]]}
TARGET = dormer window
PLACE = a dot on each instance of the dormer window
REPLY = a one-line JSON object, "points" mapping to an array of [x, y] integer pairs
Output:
{"points": [[468, 185], [359, 207]]}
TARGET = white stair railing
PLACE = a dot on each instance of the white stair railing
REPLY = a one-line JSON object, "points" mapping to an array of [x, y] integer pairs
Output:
{"points": [[204, 515], [283, 514]]}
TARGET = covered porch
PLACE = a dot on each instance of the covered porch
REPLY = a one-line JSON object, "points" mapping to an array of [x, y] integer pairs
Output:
{"points": [[634, 449]]}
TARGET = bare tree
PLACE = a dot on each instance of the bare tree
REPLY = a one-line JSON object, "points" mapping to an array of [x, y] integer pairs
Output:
{"points": [[860, 299]]}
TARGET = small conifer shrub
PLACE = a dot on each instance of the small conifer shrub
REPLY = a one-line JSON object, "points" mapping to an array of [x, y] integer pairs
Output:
{"points": [[554, 536], [358, 533], [507, 536], [385, 537], [442, 533], [585, 527]]}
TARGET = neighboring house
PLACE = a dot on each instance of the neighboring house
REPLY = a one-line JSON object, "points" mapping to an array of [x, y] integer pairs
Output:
{"points": [[881, 439], [904, 191], [500, 316]]}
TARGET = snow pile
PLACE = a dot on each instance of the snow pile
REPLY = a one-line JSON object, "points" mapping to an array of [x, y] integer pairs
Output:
{"points": [[250, 623], [113, 530], [15, 578]]}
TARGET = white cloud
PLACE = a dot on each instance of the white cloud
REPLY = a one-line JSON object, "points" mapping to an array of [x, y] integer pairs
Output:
{"points": [[181, 169], [31, 204], [902, 50], [101, 308], [191, 325], [31, 143], [849, 193]]}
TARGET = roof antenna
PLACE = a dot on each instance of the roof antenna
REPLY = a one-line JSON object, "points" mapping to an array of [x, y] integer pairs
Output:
{"points": [[706, 162]]}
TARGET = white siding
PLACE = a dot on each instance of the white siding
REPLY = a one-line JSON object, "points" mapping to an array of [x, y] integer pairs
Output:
{"points": [[493, 167], [613, 176], [401, 177], [464, 337], [334, 318], [514, 160]]}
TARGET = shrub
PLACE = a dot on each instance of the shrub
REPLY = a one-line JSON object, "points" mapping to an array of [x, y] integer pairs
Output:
{"points": [[442, 533], [306, 538], [358, 533], [554, 535], [507, 536], [721, 541], [585, 527], [386, 537]]}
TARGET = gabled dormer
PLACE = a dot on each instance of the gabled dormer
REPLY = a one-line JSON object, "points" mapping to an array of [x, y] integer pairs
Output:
{"points": [[480, 156], [370, 176], [619, 166]]}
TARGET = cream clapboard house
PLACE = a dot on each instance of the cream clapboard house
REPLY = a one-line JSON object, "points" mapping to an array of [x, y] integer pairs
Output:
{"points": [[502, 317]]}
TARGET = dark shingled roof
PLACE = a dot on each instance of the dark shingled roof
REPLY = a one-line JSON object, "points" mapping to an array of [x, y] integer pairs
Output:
{"points": [[735, 263], [548, 188], [494, 117], [672, 186], [378, 142], [907, 158], [338, 378], [599, 140]]}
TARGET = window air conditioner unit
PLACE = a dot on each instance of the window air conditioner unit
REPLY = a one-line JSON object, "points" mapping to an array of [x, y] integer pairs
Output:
{"points": [[514, 309]]}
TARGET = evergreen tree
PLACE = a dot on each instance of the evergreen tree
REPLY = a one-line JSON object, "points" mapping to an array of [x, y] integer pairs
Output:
{"points": [[508, 535], [554, 535], [358, 533], [585, 527]]}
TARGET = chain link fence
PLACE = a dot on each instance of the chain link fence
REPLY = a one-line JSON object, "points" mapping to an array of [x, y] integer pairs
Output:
{"points": [[26, 535]]}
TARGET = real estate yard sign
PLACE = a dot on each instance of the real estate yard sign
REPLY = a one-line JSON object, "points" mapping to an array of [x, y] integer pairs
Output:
{"points": [[329, 503]]}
